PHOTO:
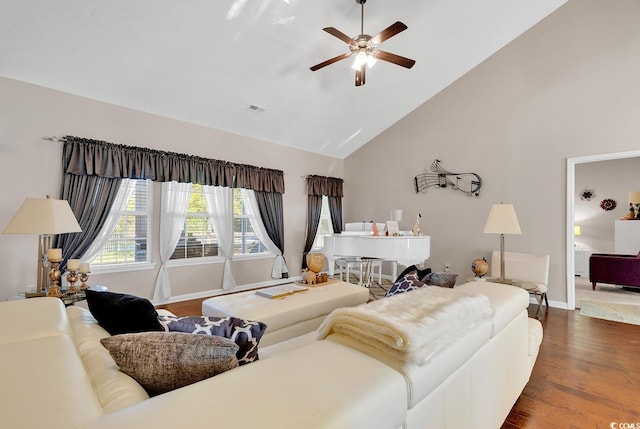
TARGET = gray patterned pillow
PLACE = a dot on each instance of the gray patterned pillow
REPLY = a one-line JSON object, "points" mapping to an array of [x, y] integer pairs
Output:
{"points": [[441, 279], [245, 333], [163, 361]]}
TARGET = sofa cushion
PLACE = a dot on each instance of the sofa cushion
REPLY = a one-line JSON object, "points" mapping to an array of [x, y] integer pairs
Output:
{"points": [[120, 313], [115, 389], [408, 282], [245, 333], [164, 361]]}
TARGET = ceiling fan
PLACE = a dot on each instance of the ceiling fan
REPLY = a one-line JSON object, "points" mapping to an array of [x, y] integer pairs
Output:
{"points": [[364, 47]]}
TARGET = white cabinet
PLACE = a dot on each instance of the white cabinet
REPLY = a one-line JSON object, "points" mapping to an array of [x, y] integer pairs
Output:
{"points": [[627, 237], [582, 262]]}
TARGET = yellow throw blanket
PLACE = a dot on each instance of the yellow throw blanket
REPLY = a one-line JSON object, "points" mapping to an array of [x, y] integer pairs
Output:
{"points": [[413, 326]]}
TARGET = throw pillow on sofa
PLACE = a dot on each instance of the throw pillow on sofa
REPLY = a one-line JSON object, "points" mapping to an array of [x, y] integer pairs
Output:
{"points": [[407, 283], [245, 333], [164, 361], [441, 279], [412, 268], [120, 313]]}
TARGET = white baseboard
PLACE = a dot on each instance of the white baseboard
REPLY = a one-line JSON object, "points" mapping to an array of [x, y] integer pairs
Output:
{"points": [[216, 292]]}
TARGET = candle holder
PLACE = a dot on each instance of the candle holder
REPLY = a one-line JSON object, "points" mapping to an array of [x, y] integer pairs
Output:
{"points": [[83, 278], [54, 276], [72, 278]]}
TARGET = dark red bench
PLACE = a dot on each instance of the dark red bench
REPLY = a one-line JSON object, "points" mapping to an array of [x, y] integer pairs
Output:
{"points": [[623, 270]]}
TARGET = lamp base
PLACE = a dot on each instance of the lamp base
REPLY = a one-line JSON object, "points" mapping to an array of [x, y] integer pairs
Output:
{"points": [[501, 281], [34, 294]]}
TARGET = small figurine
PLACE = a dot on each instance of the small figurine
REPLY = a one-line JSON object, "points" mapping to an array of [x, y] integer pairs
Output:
{"points": [[632, 213], [416, 226], [308, 277]]}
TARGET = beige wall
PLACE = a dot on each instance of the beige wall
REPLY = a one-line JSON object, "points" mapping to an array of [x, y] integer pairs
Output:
{"points": [[569, 87], [31, 167]]}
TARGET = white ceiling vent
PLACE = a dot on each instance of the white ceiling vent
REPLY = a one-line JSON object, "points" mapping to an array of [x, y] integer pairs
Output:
{"points": [[256, 109]]}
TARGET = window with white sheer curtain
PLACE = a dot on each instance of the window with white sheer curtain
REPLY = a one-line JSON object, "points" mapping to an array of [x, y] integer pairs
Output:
{"points": [[198, 224], [124, 240], [324, 227]]}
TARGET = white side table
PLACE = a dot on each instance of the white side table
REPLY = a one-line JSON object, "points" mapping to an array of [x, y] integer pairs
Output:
{"points": [[582, 262]]}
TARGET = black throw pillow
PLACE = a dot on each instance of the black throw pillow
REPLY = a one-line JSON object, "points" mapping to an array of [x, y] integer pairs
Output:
{"points": [[119, 313], [419, 273]]}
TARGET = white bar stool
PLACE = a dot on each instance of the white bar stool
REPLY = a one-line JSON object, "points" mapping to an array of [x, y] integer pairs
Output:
{"points": [[366, 267]]}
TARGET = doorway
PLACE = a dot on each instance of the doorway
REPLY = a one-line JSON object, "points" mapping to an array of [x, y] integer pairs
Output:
{"points": [[570, 211]]}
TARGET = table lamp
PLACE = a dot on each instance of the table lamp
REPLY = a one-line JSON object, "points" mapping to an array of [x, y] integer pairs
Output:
{"points": [[502, 220], [44, 217], [634, 199]]}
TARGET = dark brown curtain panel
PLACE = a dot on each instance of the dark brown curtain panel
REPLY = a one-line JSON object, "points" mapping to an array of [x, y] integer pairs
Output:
{"points": [[317, 187]]}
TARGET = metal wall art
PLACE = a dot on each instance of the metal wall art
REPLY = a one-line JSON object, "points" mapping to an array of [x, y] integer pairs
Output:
{"points": [[587, 194], [469, 183], [608, 204]]}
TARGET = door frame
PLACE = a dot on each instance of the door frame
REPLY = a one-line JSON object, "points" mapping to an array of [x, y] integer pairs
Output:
{"points": [[571, 195]]}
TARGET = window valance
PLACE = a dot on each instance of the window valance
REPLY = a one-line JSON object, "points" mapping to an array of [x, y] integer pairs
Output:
{"points": [[320, 185], [98, 158]]}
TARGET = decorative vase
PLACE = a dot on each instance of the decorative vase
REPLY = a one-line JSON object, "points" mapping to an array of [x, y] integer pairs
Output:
{"points": [[315, 262]]}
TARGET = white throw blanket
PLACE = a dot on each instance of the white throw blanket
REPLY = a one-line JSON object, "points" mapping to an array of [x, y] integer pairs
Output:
{"points": [[413, 326]]}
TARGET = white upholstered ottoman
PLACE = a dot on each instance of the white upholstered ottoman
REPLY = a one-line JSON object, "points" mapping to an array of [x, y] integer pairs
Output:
{"points": [[289, 316]]}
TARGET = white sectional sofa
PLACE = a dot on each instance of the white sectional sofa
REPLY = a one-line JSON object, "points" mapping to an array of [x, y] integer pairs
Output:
{"points": [[56, 374]]}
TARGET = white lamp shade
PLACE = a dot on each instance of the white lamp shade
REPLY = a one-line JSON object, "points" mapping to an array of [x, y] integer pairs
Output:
{"points": [[43, 216], [502, 220], [634, 197]]}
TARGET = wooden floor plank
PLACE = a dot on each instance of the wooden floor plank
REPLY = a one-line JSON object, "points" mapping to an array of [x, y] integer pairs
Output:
{"points": [[587, 374]]}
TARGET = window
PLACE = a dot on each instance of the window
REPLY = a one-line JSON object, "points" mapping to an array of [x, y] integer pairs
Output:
{"points": [[325, 227], [129, 241], [245, 240], [198, 239]]}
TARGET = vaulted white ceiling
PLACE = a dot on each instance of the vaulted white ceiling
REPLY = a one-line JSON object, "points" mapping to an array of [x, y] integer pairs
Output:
{"points": [[207, 61]]}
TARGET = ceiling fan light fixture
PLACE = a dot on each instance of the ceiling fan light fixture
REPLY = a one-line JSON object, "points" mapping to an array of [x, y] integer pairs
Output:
{"points": [[371, 60], [360, 60]]}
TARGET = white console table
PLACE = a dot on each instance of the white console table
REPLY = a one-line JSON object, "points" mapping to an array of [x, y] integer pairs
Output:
{"points": [[627, 237]]}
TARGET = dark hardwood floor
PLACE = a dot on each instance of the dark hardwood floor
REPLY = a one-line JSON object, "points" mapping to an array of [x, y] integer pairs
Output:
{"points": [[587, 374]]}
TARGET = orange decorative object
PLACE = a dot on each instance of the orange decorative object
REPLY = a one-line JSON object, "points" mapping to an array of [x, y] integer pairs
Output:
{"points": [[315, 262]]}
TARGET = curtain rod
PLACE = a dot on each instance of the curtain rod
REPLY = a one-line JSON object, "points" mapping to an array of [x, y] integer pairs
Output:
{"points": [[55, 139]]}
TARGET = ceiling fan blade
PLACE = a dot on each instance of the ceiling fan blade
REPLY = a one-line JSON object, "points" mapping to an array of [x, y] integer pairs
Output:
{"points": [[330, 61], [340, 35], [395, 59], [388, 32], [360, 75]]}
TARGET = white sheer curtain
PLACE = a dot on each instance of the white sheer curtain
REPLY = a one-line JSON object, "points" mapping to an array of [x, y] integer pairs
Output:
{"points": [[253, 213], [119, 204], [220, 205], [175, 201]]}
